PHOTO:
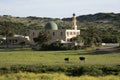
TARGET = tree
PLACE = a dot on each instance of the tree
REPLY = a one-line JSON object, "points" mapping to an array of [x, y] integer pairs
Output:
{"points": [[92, 37], [77, 39], [24, 42], [42, 39], [6, 30]]}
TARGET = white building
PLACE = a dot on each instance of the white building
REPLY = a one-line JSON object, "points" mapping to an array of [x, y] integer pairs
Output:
{"points": [[63, 35]]}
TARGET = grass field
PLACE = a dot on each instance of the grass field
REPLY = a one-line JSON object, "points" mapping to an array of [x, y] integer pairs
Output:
{"points": [[54, 59], [11, 57], [53, 76]]}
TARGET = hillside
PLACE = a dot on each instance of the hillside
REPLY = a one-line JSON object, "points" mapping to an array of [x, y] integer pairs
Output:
{"points": [[105, 21], [21, 24], [97, 17]]}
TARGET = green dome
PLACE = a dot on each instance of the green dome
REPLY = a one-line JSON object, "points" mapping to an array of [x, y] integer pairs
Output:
{"points": [[51, 26]]}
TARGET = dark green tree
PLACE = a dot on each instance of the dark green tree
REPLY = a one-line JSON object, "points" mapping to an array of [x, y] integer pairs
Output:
{"points": [[6, 30], [42, 39], [78, 39], [92, 37]]}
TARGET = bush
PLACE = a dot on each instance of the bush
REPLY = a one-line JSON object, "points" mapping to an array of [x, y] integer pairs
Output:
{"points": [[55, 46], [95, 70]]}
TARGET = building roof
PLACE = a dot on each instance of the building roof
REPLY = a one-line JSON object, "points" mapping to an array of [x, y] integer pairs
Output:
{"points": [[51, 26]]}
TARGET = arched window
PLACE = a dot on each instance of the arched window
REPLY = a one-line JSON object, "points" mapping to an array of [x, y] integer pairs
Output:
{"points": [[78, 33], [68, 40], [74, 33], [61, 33], [53, 33], [33, 33], [67, 33]]}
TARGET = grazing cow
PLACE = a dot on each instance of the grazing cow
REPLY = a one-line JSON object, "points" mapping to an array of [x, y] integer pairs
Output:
{"points": [[82, 59], [66, 59], [118, 65]]}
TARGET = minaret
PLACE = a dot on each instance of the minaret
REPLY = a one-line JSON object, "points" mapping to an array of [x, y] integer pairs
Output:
{"points": [[74, 25]]}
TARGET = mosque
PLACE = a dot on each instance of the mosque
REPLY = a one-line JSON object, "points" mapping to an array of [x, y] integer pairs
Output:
{"points": [[63, 35]]}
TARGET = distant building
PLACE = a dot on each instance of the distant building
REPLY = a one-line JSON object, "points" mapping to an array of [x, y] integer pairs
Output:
{"points": [[13, 41], [63, 35]]}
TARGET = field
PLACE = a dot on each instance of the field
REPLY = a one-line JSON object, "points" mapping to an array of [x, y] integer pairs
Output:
{"points": [[29, 57], [53, 76], [25, 64]]}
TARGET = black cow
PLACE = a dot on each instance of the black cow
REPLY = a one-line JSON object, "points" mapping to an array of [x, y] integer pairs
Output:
{"points": [[82, 59], [66, 59]]}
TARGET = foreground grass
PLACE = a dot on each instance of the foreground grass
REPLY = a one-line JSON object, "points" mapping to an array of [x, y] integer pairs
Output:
{"points": [[98, 63], [53, 76], [28, 57]]}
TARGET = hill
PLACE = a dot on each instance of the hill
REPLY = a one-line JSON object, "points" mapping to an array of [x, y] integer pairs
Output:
{"points": [[97, 17], [22, 24], [105, 20], [108, 23]]}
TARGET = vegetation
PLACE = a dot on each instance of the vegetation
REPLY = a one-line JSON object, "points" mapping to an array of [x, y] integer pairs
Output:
{"points": [[52, 76], [60, 46], [95, 29], [96, 64], [12, 57], [70, 70], [41, 42], [22, 25], [107, 23], [6, 30], [92, 37], [57, 45]]}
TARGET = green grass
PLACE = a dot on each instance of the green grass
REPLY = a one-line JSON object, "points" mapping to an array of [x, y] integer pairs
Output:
{"points": [[29, 57]]}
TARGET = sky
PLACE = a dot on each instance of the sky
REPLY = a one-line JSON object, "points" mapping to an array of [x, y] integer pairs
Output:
{"points": [[57, 8]]}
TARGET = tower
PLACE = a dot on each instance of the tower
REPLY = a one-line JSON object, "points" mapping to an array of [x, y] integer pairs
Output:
{"points": [[74, 25]]}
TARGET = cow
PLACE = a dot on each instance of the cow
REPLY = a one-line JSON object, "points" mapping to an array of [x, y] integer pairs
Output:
{"points": [[82, 59], [66, 59]]}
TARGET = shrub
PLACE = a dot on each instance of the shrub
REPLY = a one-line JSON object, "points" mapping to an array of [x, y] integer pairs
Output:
{"points": [[93, 70]]}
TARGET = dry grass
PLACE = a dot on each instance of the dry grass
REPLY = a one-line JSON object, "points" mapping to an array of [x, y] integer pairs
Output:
{"points": [[53, 76]]}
